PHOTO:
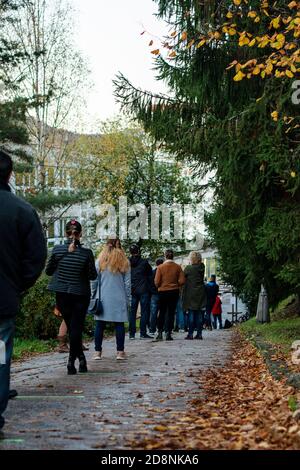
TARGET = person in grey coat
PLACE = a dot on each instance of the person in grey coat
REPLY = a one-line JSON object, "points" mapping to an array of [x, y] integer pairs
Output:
{"points": [[113, 288]]}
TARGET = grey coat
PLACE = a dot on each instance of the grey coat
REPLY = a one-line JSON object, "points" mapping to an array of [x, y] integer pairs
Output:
{"points": [[114, 289]]}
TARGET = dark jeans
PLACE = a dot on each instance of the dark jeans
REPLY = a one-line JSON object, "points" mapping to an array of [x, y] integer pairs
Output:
{"points": [[120, 335], [208, 316], [144, 300], [219, 319], [7, 331], [73, 309], [168, 301], [195, 321], [154, 309], [180, 317]]}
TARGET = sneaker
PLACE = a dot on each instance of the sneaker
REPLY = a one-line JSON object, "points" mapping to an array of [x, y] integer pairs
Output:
{"points": [[188, 337], [121, 355], [146, 336], [97, 356], [131, 336]]}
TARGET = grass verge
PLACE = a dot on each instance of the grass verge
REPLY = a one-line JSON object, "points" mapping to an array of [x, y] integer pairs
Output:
{"points": [[25, 348], [278, 332]]}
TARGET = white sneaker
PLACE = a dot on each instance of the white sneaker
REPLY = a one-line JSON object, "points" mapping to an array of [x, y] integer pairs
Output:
{"points": [[97, 356], [121, 356]]}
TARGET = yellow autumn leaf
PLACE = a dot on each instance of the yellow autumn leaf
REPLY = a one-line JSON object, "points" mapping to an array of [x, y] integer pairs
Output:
{"points": [[160, 428], [252, 43], [275, 23], [172, 54], [239, 76], [183, 36], [275, 116], [293, 174], [237, 2], [243, 41], [256, 70], [289, 74], [229, 15], [201, 43], [292, 5], [232, 31], [155, 52], [257, 19], [252, 14]]}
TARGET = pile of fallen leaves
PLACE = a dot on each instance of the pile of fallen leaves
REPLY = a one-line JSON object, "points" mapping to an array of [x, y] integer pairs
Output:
{"points": [[240, 406]]}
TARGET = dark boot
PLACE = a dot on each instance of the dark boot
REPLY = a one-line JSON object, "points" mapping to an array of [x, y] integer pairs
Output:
{"points": [[159, 336], [169, 337], [71, 367], [82, 364]]}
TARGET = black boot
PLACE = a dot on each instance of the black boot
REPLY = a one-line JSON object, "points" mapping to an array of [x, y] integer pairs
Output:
{"points": [[82, 364], [169, 337], [159, 336], [71, 367]]}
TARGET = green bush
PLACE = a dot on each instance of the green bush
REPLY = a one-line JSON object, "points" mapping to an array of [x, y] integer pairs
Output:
{"points": [[35, 318]]}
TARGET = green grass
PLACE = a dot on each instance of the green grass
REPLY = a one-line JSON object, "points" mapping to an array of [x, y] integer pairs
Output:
{"points": [[278, 332], [24, 348]]}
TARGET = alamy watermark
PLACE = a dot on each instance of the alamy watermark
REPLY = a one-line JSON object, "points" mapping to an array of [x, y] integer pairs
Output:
{"points": [[171, 223], [296, 93]]}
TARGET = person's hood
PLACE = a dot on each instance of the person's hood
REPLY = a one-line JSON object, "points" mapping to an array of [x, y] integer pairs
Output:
{"points": [[135, 260], [211, 283]]}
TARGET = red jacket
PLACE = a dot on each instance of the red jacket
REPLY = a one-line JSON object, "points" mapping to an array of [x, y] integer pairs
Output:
{"points": [[217, 308]]}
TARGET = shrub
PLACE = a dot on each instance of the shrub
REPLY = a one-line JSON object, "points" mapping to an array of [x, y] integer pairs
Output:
{"points": [[35, 318]]}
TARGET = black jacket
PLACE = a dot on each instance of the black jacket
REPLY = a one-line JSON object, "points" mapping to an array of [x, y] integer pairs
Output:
{"points": [[141, 274], [72, 272], [23, 250]]}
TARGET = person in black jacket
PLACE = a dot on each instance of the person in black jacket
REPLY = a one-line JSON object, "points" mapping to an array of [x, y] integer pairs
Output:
{"points": [[212, 290], [23, 254], [141, 274], [72, 267], [154, 303]]}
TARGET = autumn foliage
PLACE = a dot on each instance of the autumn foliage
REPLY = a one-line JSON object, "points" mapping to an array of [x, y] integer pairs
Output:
{"points": [[239, 406]]}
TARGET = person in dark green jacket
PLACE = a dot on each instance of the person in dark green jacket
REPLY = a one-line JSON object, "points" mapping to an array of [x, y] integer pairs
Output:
{"points": [[194, 295]]}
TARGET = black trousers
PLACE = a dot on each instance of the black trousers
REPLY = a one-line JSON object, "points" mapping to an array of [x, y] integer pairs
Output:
{"points": [[73, 309], [168, 302]]}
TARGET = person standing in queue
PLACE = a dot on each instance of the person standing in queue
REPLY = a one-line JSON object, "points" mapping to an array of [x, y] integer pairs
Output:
{"points": [[168, 279], [194, 295], [113, 290], [72, 267], [141, 273], [23, 253], [212, 290]]}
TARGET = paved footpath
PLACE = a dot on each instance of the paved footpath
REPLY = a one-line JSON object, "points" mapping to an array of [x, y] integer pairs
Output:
{"points": [[115, 401]]}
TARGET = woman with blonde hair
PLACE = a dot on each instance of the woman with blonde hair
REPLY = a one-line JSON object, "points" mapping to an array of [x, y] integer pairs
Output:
{"points": [[113, 291], [194, 296]]}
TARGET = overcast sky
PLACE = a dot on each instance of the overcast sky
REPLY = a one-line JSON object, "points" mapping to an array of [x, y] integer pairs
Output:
{"points": [[109, 35]]}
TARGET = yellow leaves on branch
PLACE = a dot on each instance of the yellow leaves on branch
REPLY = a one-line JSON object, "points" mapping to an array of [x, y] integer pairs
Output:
{"points": [[279, 38]]}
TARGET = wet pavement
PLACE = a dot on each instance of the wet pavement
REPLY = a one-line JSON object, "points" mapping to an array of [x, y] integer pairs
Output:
{"points": [[114, 401]]}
